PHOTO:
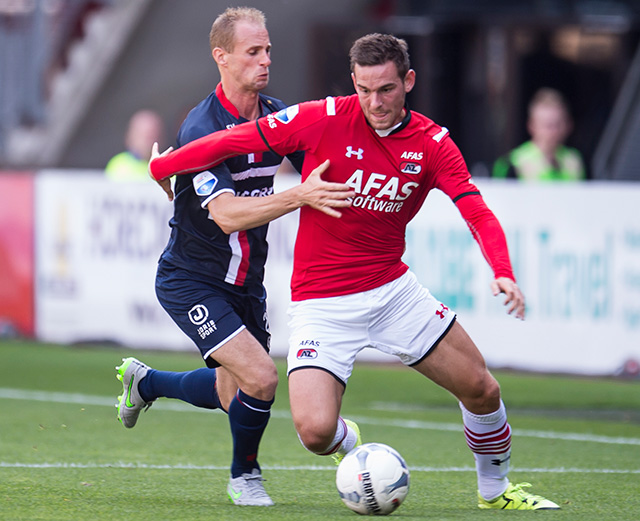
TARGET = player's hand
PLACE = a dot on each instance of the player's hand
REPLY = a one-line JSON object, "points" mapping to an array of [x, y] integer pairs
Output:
{"points": [[323, 195], [514, 297], [165, 183]]}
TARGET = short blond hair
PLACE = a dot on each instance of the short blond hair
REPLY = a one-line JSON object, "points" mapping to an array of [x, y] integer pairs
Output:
{"points": [[222, 32]]}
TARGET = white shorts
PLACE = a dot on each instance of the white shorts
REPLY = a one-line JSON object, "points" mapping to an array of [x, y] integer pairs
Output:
{"points": [[400, 318]]}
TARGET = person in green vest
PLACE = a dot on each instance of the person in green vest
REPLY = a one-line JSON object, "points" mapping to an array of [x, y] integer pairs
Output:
{"points": [[545, 157], [145, 128]]}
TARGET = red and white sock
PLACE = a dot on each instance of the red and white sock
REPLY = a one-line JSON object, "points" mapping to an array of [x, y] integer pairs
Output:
{"points": [[489, 438]]}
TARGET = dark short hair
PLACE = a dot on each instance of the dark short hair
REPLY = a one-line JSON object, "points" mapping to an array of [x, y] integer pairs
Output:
{"points": [[378, 49]]}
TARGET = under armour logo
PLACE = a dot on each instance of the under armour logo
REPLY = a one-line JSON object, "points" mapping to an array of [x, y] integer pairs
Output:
{"points": [[441, 312], [497, 462], [358, 152]]}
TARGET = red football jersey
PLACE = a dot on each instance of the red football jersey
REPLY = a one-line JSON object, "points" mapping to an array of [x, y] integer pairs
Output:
{"points": [[391, 175]]}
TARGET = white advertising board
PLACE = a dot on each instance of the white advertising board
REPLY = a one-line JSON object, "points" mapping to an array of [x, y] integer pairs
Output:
{"points": [[575, 250], [97, 246]]}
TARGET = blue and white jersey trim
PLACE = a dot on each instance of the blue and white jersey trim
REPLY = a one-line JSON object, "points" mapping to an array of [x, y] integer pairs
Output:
{"points": [[213, 196]]}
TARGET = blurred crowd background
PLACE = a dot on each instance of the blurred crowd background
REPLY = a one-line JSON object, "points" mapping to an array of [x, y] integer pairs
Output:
{"points": [[72, 72]]}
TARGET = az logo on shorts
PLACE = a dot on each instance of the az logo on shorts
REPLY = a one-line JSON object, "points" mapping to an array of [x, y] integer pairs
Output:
{"points": [[307, 354]]}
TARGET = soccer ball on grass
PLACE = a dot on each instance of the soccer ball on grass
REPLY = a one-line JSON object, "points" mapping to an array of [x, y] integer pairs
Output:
{"points": [[373, 479]]}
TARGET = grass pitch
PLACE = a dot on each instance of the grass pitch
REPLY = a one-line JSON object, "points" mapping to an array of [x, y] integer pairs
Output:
{"points": [[64, 456]]}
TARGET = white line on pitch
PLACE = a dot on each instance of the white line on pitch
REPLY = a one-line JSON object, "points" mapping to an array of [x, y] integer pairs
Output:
{"points": [[176, 406], [122, 465]]}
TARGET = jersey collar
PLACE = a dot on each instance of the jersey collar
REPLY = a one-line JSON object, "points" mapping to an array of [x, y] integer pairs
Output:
{"points": [[397, 128], [265, 105], [228, 106]]}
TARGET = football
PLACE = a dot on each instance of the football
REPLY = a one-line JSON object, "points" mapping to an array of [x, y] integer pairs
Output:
{"points": [[373, 479]]}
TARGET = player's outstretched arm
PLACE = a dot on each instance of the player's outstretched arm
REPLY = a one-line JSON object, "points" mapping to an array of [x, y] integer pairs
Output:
{"points": [[487, 231], [210, 150], [514, 297], [234, 213], [165, 183]]}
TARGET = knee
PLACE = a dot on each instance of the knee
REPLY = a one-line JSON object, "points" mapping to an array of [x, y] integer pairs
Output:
{"points": [[263, 383], [269, 382], [314, 436], [483, 396]]}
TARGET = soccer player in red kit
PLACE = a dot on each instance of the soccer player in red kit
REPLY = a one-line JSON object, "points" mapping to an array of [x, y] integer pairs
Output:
{"points": [[350, 288]]}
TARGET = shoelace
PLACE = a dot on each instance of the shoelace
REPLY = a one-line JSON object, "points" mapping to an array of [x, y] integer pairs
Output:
{"points": [[518, 489], [522, 494], [254, 483]]}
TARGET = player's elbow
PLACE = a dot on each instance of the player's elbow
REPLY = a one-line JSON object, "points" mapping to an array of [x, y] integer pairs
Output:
{"points": [[226, 224], [230, 229], [224, 212]]}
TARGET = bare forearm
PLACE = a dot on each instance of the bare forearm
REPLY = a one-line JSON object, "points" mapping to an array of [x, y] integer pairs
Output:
{"points": [[242, 213], [233, 214]]}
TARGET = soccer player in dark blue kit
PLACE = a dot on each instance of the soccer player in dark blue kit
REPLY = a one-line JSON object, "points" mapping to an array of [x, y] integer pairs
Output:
{"points": [[210, 276]]}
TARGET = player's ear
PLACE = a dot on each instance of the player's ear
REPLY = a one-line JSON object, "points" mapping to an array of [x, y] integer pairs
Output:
{"points": [[409, 80], [353, 79], [219, 55]]}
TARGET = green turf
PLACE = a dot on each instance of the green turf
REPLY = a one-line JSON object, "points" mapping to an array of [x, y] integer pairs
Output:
{"points": [[64, 456]]}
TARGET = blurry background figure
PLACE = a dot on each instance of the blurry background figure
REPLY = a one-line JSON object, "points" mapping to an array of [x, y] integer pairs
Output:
{"points": [[544, 157], [145, 128]]}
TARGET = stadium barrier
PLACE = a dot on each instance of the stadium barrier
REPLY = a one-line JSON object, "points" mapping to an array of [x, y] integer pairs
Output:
{"points": [[575, 250], [16, 254]]}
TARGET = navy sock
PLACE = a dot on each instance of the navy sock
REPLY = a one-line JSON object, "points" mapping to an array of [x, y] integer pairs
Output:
{"points": [[196, 387], [248, 418]]}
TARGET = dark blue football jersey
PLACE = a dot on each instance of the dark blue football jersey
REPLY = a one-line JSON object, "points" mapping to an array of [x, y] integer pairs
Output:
{"points": [[197, 243]]}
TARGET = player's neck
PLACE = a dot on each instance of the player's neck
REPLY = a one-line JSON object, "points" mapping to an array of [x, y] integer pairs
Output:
{"points": [[246, 102]]}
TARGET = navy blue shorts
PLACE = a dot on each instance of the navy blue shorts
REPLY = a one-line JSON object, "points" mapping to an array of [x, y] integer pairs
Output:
{"points": [[211, 312]]}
